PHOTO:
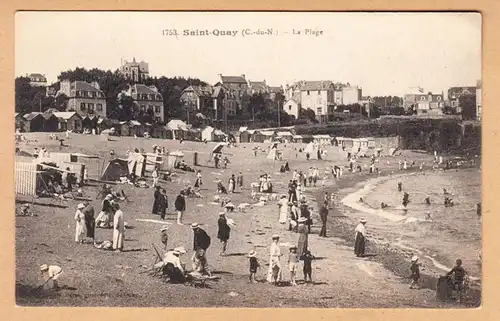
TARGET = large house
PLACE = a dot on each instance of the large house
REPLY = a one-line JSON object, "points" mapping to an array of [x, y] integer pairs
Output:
{"points": [[135, 71], [351, 95], [431, 104], [37, 80], [198, 98], [148, 99], [454, 94], [85, 98], [318, 97], [233, 88], [292, 106], [258, 87]]}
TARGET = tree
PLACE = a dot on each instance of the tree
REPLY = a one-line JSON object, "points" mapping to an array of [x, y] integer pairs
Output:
{"points": [[468, 104], [308, 114]]}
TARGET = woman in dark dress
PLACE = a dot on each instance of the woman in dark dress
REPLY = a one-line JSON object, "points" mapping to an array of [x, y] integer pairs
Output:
{"points": [[360, 238], [163, 204], [223, 232], [157, 201]]}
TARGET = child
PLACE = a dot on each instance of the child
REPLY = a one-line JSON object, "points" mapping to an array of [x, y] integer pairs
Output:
{"points": [[456, 278], [254, 265], [415, 272], [293, 260], [53, 273], [307, 257]]}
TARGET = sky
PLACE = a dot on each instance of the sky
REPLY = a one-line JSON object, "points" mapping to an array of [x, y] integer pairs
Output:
{"points": [[384, 53]]}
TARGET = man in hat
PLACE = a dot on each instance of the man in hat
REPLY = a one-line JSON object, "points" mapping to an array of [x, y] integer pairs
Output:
{"points": [[180, 206], [164, 236], [360, 238], [239, 180], [223, 231], [201, 240], [89, 213], [157, 200], [323, 214], [173, 266], [118, 229], [53, 272]]}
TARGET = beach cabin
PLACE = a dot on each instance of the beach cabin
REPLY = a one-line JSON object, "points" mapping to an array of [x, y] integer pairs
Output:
{"points": [[19, 121], [158, 131], [297, 138], [131, 128], [69, 121], [220, 136], [269, 136], [177, 129], [257, 137], [340, 141], [363, 143], [348, 143], [356, 145], [321, 139], [235, 136], [307, 139], [285, 137], [194, 134], [245, 136], [90, 122], [371, 142], [208, 134]]}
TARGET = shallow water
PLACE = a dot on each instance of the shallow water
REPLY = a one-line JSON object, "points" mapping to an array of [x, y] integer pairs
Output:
{"points": [[454, 232]]}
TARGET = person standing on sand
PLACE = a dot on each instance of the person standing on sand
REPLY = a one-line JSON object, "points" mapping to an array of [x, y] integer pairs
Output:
{"points": [[307, 258], [80, 224], [360, 238], [294, 216], [303, 241], [163, 204], [155, 177], [283, 209], [89, 213], [232, 184], [415, 272], [157, 200], [180, 206], [400, 186], [274, 258], [223, 232], [323, 214], [118, 229], [254, 265], [239, 181]]}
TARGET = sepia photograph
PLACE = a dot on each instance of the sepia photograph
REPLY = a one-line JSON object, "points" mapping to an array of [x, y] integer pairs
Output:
{"points": [[248, 159]]}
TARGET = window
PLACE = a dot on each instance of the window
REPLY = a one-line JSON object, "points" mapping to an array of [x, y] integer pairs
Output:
{"points": [[91, 107], [157, 109], [89, 94], [99, 107], [77, 124], [308, 92], [289, 107], [82, 106], [422, 98], [439, 98], [319, 110]]}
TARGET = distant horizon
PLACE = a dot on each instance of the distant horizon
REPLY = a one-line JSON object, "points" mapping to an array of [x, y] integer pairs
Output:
{"points": [[383, 53]]}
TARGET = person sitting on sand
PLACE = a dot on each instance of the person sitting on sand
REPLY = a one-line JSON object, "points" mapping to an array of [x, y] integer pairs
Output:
{"points": [[427, 200], [53, 272]]}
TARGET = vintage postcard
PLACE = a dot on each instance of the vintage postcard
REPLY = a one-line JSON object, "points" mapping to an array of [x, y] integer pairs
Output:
{"points": [[248, 159]]}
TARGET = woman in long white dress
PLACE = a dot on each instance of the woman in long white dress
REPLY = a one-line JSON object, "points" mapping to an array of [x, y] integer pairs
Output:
{"points": [[283, 206], [80, 224], [274, 258]]}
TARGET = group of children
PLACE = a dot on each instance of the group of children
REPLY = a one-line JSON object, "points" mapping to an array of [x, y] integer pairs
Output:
{"points": [[293, 266]]}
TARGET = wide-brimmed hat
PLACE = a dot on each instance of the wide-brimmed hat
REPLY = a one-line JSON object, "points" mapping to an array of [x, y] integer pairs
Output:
{"points": [[222, 213], [80, 206], [283, 196], [175, 252], [302, 219], [293, 247], [290, 203], [252, 254], [109, 196], [363, 220], [164, 228], [180, 249], [275, 236], [195, 225], [44, 267], [414, 258]]}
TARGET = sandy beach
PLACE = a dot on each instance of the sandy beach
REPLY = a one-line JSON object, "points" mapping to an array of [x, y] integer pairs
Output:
{"points": [[99, 278]]}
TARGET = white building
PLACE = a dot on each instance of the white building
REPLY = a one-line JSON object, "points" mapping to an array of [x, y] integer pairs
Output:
{"points": [[318, 97], [351, 95], [292, 106]]}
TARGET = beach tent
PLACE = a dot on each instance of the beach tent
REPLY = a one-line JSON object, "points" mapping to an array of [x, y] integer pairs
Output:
{"points": [[273, 152], [136, 164], [115, 169], [218, 148]]}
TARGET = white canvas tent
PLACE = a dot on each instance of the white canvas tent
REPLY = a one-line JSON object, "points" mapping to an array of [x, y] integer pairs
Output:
{"points": [[273, 151]]}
